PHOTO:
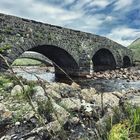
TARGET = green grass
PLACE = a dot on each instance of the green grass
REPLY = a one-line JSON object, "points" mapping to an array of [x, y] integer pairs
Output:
{"points": [[26, 62], [135, 47], [129, 127]]}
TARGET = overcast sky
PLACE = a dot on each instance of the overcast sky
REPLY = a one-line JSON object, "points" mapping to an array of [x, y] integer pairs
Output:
{"points": [[118, 20]]}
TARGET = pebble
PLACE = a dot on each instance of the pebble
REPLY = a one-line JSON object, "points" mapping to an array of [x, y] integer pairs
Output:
{"points": [[17, 123]]}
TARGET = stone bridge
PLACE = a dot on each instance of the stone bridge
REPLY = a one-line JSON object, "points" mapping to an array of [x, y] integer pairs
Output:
{"points": [[76, 52]]}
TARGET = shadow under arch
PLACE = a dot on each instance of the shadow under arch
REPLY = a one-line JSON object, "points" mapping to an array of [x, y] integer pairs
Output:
{"points": [[126, 62], [60, 58], [103, 60]]}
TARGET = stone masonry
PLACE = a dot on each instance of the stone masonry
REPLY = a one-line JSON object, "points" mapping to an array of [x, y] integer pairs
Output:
{"points": [[72, 50]]}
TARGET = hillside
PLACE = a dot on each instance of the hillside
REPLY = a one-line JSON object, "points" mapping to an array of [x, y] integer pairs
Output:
{"points": [[135, 47]]}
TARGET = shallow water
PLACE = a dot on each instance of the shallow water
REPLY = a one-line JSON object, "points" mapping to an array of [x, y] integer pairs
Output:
{"points": [[99, 84]]}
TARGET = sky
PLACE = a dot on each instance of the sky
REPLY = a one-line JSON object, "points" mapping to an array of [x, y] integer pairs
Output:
{"points": [[118, 20]]}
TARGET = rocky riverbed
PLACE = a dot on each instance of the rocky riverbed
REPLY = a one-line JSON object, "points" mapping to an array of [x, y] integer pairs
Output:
{"points": [[57, 111]]}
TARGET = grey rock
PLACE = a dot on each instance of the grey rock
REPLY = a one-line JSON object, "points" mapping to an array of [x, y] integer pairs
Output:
{"points": [[16, 90], [71, 103]]}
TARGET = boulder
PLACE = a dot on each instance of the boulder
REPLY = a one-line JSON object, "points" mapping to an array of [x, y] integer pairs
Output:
{"points": [[88, 94], [54, 126], [52, 93], [108, 99], [39, 91], [16, 90], [60, 113], [39, 94], [71, 103]]}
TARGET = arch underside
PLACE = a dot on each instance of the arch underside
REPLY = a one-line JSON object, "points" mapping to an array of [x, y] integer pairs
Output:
{"points": [[62, 60], [126, 62], [103, 60]]}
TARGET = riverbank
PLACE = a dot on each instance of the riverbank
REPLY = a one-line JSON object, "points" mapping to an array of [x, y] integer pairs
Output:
{"points": [[41, 110]]}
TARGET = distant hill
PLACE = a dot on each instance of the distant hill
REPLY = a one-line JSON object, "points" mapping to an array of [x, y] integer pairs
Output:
{"points": [[135, 47]]}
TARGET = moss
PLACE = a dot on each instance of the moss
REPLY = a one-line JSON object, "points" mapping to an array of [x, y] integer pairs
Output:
{"points": [[5, 47], [3, 80], [20, 111]]}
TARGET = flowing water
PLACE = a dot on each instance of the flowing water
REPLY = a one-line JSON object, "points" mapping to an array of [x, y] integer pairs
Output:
{"points": [[102, 85]]}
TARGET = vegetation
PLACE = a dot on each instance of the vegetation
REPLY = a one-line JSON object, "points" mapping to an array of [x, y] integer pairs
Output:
{"points": [[128, 127], [123, 125], [26, 62], [135, 47]]}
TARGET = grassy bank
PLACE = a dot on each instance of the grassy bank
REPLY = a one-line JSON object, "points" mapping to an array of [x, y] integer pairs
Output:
{"points": [[135, 47], [26, 62]]}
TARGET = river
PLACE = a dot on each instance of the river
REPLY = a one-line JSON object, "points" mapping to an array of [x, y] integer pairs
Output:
{"points": [[101, 85]]}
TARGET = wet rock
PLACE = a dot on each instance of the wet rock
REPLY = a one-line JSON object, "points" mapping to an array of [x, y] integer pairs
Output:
{"points": [[71, 103]]}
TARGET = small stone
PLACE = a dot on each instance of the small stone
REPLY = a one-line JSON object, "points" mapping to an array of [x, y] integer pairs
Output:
{"points": [[74, 120], [17, 123], [88, 76]]}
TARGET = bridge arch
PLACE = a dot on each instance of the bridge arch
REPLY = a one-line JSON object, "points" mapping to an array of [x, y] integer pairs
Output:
{"points": [[78, 47], [59, 57], [103, 59], [126, 61]]}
